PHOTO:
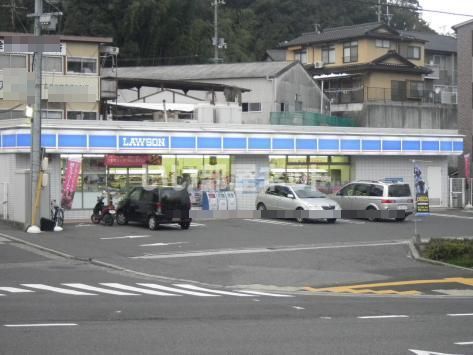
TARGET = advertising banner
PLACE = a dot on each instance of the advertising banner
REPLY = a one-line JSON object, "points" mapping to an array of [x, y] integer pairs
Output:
{"points": [[123, 161], [70, 182], [467, 165], [422, 192]]}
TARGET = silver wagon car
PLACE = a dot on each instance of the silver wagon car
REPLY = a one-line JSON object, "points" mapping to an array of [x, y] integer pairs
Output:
{"points": [[376, 195], [295, 197]]}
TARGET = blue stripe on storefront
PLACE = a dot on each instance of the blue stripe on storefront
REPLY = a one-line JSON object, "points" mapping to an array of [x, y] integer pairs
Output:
{"points": [[48, 140], [283, 143], [182, 142], [371, 145], [391, 145], [350, 144], [9, 141], [209, 143], [102, 141], [458, 146], [411, 145], [234, 143], [430, 145], [72, 141], [328, 144], [446, 146], [23, 140], [306, 144], [259, 143]]}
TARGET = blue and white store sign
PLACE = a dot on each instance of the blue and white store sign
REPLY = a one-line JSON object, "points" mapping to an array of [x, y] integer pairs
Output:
{"points": [[67, 141]]}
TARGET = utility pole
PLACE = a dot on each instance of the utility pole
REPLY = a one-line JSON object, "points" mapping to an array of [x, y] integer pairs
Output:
{"points": [[216, 41], [379, 11]]}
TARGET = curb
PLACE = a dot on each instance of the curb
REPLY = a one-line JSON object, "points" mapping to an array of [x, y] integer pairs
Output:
{"points": [[416, 256]]}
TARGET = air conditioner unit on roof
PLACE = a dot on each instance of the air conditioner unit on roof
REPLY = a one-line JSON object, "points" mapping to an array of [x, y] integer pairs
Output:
{"points": [[318, 65]]}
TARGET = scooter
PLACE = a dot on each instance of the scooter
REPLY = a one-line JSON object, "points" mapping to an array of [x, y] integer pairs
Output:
{"points": [[103, 213]]}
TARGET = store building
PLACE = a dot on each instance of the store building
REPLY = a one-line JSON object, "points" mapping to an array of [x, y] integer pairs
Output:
{"points": [[117, 155]]}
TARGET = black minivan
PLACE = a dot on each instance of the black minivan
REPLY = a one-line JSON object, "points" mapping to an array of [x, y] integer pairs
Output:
{"points": [[155, 206]]}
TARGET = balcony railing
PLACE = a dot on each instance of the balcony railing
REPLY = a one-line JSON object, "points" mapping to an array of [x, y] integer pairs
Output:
{"points": [[309, 119], [412, 95]]}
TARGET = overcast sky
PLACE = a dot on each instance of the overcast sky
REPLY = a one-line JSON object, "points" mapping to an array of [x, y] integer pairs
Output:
{"points": [[443, 23]]}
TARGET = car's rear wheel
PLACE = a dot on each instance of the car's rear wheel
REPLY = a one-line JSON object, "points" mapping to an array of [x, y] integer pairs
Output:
{"points": [[400, 219], [261, 207], [331, 220], [185, 225], [121, 218], [153, 223], [371, 216], [300, 219]]}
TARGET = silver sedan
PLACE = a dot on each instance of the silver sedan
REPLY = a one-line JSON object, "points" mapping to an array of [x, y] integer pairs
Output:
{"points": [[298, 198]]}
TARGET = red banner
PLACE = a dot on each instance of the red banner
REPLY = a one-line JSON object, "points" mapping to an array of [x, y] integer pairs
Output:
{"points": [[467, 165], [70, 183], [124, 161]]}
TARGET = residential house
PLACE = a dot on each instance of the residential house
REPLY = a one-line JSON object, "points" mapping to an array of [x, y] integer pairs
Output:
{"points": [[372, 73], [70, 78]]}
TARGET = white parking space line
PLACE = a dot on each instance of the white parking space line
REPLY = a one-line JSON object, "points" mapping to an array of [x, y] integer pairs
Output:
{"points": [[264, 293], [15, 290], [127, 237], [41, 325], [192, 225], [460, 314], [161, 244], [385, 316], [464, 343], [173, 289], [100, 289], [275, 222], [59, 290], [137, 289], [228, 293], [341, 220]]}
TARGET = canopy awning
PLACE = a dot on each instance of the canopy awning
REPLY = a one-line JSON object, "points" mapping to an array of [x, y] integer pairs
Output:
{"points": [[155, 106]]}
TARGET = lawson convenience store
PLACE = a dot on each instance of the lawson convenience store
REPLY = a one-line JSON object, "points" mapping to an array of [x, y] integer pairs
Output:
{"points": [[116, 156]]}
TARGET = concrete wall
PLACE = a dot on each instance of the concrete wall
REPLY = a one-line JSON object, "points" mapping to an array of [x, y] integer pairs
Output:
{"points": [[378, 168]]}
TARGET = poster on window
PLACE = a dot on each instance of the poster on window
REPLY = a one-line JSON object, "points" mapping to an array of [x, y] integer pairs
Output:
{"points": [[71, 177], [422, 192]]}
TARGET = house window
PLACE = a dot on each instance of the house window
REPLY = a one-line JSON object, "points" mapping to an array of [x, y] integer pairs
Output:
{"points": [[350, 52], [251, 107], [328, 55], [301, 56], [413, 52], [52, 64], [416, 89], [282, 107], [82, 65], [51, 115], [398, 90], [79, 115], [12, 61], [383, 43]]}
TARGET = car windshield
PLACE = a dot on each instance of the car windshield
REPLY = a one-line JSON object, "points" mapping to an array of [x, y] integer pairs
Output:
{"points": [[399, 190], [307, 192]]}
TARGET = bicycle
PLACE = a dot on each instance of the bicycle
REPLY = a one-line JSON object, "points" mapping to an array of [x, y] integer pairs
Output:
{"points": [[57, 214]]}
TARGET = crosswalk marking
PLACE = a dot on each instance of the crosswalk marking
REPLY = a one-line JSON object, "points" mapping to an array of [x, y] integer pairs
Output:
{"points": [[100, 289], [173, 289], [59, 290], [228, 293], [14, 290], [137, 289], [264, 293]]}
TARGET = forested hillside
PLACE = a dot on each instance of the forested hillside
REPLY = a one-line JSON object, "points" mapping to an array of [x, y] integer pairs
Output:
{"points": [[151, 32]]}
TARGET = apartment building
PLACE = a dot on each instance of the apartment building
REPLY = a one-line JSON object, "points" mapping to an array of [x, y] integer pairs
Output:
{"points": [[70, 78]]}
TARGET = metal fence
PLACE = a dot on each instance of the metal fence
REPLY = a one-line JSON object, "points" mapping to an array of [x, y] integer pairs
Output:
{"points": [[309, 119], [4, 200], [457, 193]]}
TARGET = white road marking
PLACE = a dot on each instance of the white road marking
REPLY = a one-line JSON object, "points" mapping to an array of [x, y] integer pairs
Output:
{"points": [[84, 225], [228, 293], [161, 244], [455, 292], [1, 295], [341, 220], [173, 289], [460, 314], [325, 317], [297, 307], [268, 221], [192, 225], [464, 343], [450, 216], [386, 316], [128, 237], [59, 290], [427, 352], [264, 293], [100, 289], [14, 290], [41, 325], [137, 289], [3, 239], [265, 250]]}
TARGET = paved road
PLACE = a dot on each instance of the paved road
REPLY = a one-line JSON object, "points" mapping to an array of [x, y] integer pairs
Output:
{"points": [[52, 305]]}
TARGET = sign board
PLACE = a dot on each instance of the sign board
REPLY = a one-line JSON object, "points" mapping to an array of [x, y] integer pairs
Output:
{"points": [[393, 180], [222, 201], [210, 201], [422, 203], [231, 200], [115, 160], [422, 192]]}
